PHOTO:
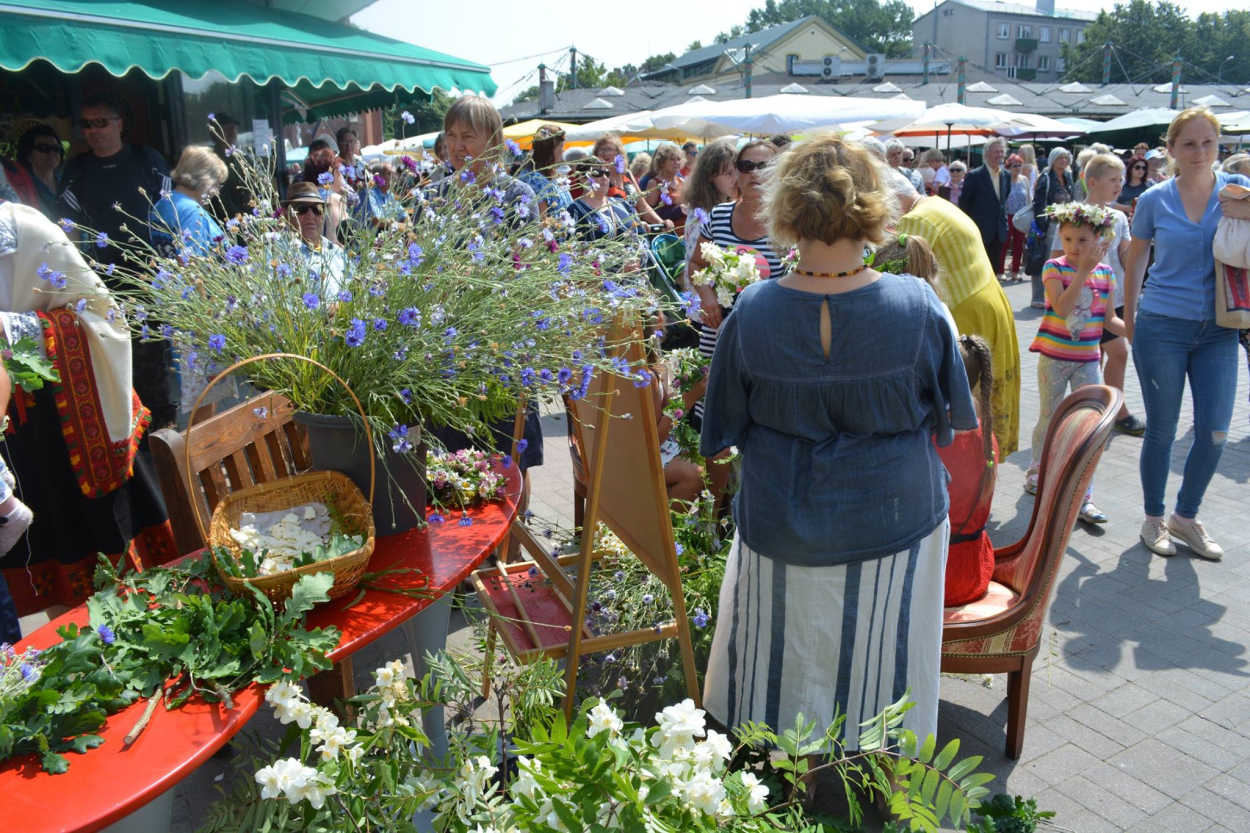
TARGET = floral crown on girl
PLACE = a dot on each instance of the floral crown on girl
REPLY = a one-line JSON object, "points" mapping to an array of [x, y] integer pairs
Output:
{"points": [[1096, 217]]}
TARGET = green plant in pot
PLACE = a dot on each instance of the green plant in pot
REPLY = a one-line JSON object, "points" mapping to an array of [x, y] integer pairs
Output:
{"points": [[445, 319]]}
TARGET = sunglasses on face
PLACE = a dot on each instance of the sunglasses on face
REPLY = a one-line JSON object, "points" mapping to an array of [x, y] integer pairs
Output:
{"points": [[745, 166], [42, 148], [597, 172], [1139, 167], [301, 210], [98, 124]]}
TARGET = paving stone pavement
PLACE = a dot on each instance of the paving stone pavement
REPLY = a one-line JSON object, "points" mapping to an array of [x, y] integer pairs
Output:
{"points": [[1139, 713]]}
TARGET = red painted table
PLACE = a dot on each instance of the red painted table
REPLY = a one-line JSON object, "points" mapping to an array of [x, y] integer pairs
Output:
{"points": [[109, 783]]}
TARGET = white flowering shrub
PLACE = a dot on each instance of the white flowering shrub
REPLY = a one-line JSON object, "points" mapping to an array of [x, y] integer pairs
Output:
{"points": [[598, 773]]}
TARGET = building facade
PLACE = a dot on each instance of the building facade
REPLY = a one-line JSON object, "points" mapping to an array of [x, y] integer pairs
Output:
{"points": [[1014, 41]]}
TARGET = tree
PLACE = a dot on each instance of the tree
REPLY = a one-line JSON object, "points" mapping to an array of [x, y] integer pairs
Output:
{"points": [[591, 74], [879, 26], [1147, 38], [694, 44], [427, 112]]}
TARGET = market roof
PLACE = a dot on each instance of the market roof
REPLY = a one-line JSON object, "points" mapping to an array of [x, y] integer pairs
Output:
{"points": [[758, 40], [1047, 99], [328, 68]]}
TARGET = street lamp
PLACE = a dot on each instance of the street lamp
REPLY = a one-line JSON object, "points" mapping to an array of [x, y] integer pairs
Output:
{"points": [[1219, 75]]}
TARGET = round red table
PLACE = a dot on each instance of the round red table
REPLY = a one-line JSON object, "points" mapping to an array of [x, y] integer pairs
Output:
{"points": [[110, 782]]}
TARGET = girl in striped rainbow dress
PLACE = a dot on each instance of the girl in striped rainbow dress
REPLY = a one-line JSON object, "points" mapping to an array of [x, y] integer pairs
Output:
{"points": [[1080, 288]]}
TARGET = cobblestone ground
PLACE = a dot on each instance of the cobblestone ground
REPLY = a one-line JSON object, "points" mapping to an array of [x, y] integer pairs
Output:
{"points": [[1139, 714]]}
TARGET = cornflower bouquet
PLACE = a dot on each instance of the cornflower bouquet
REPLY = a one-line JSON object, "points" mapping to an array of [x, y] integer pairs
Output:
{"points": [[464, 478], [727, 272], [445, 318], [1099, 218]]}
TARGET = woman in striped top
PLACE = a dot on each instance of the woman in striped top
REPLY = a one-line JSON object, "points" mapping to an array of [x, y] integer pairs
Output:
{"points": [[737, 226], [1080, 288]]}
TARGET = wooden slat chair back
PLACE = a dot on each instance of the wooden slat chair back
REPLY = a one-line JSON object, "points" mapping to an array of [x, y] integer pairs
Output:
{"points": [[254, 442], [1001, 631]]}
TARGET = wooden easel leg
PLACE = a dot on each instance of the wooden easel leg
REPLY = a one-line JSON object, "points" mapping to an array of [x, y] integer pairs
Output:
{"points": [[336, 684]]}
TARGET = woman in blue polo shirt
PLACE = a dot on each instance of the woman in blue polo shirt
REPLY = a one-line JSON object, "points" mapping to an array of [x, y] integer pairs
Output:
{"points": [[1174, 333]]}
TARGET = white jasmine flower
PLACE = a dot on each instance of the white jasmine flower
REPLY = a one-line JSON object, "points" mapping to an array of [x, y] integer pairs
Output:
{"points": [[679, 725], [757, 793], [603, 719]]}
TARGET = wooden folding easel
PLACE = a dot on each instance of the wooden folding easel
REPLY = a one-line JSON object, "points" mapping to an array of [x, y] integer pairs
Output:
{"points": [[543, 614]]}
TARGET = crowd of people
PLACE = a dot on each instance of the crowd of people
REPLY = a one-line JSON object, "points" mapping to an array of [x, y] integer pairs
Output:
{"points": [[870, 380]]}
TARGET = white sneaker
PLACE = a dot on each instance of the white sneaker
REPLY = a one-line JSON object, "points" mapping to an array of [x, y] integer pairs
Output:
{"points": [[1194, 535], [14, 527], [1155, 535]]}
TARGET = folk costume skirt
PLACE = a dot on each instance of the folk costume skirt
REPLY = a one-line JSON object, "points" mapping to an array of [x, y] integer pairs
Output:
{"points": [[847, 639]]}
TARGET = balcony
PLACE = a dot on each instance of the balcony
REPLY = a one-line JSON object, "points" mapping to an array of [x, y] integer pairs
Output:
{"points": [[1025, 73], [1026, 44]]}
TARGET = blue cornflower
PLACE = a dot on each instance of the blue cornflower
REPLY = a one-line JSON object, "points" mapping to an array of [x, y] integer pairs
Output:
{"points": [[106, 634], [110, 269], [101, 240], [691, 303], [67, 225], [406, 395], [29, 672], [217, 342], [680, 548], [325, 178], [261, 412], [701, 618], [434, 518], [565, 264], [665, 198], [232, 224], [465, 521], [51, 276], [284, 270], [237, 255], [399, 437], [311, 300], [619, 163], [379, 324], [647, 598], [507, 461], [450, 333], [513, 147], [410, 317], [700, 216], [80, 306], [546, 375], [408, 118], [345, 296], [415, 254], [527, 379], [496, 214], [349, 171], [355, 335], [467, 177], [521, 446], [167, 330]]}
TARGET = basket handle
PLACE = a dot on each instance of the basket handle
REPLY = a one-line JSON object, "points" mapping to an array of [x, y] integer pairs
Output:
{"points": [[186, 457]]}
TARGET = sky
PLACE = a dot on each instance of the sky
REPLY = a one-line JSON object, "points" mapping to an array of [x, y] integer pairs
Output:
{"points": [[514, 38]]}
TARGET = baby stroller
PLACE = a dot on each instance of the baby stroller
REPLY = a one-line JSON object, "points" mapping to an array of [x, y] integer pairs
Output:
{"points": [[667, 260]]}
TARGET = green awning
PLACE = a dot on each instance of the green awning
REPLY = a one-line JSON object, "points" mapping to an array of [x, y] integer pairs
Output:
{"points": [[328, 67]]}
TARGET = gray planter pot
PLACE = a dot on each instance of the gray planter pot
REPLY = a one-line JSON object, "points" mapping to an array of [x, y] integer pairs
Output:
{"points": [[336, 445]]}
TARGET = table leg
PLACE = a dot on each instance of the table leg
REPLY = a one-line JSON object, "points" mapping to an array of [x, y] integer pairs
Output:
{"points": [[155, 815], [337, 683], [427, 631]]}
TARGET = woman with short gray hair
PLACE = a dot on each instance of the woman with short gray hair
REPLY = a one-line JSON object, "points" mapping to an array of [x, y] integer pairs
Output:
{"points": [[1055, 185], [180, 214]]}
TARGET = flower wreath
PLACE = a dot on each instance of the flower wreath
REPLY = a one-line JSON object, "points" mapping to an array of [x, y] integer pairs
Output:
{"points": [[1098, 218]]}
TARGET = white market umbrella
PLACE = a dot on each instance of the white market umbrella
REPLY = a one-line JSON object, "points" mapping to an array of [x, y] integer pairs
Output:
{"points": [[637, 125], [955, 119], [1236, 126], [781, 113], [1030, 124], [1081, 125], [958, 141]]}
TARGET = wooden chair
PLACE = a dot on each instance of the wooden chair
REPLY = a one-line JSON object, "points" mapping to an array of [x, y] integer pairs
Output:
{"points": [[233, 450], [1000, 632]]}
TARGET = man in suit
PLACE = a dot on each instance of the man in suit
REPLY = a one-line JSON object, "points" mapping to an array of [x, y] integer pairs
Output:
{"points": [[984, 198]]}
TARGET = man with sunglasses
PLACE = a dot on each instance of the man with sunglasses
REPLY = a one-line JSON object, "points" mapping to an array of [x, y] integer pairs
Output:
{"points": [[305, 209], [101, 191]]}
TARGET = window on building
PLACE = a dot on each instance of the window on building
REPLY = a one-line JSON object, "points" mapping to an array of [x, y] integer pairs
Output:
{"points": [[1025, 31], [1080, 36], [1004, 31], [1059, 65], [1065, 36], [1023, 60], [1045, 38], [1000, 60], [1043, 63]]}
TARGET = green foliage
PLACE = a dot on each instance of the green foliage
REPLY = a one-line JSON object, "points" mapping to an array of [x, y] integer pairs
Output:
{"points": [[1147, 37], [427, 112], [165, 633], [1002, 814], [27, 367]]}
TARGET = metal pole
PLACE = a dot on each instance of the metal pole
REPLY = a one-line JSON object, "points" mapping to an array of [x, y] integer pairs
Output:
{"points": [[1106, 63], [748, 61], [927, 48], [1176, 80], [962, 95], [573, 68]]}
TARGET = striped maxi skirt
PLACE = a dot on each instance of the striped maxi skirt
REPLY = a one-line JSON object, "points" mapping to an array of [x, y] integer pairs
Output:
{"points": [[848, 639]]}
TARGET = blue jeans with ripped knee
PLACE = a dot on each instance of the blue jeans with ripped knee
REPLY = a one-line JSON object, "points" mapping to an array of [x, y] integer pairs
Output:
{"points": [[1166, 351]]}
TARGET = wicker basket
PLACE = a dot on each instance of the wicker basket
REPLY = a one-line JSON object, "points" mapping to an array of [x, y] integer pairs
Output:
{"points": [[332, 488]]}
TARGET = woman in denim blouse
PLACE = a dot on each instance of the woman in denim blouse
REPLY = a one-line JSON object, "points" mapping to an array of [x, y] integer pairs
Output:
{"points": [[1174, 333], [833, 382]]}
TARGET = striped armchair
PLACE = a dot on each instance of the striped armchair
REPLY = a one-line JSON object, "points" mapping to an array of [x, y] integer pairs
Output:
{"points": [[1000, 632]]}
